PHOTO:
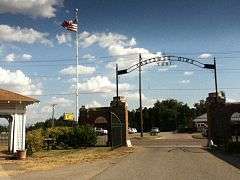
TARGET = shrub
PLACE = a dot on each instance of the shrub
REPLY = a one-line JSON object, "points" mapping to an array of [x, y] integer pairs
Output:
{"points": [[61, 135], [35, 140], [83, 136], [80, 136]]}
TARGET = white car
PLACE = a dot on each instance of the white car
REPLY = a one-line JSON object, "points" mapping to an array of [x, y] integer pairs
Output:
{"points": [[132, 130], [101, 131], [154, 131]]}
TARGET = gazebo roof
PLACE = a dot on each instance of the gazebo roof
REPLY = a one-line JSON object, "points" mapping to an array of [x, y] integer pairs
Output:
{"points": [[6, 96]]}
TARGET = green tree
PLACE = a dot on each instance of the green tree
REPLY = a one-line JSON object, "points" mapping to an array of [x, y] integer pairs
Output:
{"points": [[168, 115], [200, 108]]}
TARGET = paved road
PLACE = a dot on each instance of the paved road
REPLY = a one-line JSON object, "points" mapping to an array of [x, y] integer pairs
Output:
{"points": [[171, 164], [171, 157], [165, 158]]}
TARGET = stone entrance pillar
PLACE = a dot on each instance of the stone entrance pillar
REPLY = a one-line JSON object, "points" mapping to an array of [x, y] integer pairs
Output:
{"points": [[214, 104], [119, 107]]}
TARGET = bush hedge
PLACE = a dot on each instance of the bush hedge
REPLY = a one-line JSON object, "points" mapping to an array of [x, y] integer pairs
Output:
{"points": [[35, 140], [64, 137]]}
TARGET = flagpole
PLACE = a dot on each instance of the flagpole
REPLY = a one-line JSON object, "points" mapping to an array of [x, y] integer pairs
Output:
{"points": [[77, 67]]}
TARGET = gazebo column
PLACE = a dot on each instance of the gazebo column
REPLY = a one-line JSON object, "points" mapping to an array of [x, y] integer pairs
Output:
{"points": [[18, 133], [10, 136]]}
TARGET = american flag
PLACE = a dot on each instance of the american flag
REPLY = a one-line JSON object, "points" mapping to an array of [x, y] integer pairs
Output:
{"points": [[70, 25]]}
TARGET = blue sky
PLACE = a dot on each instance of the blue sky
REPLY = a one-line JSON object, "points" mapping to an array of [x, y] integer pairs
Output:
{"points": [[37, 56]]}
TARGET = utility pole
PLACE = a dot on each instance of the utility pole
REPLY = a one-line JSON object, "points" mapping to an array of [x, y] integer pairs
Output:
{"points": [[117, 80], [140, 92], [53, 111], [215, 77]]}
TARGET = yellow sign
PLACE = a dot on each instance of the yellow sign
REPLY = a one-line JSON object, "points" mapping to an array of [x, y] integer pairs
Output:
{"points": [[68, 117]]}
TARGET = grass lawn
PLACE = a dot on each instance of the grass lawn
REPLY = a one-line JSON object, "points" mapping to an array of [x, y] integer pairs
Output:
{"points": [[47, 160]]}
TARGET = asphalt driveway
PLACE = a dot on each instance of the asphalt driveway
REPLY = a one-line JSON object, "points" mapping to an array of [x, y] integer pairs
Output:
{"points": [[171, 164], [165, 157], [171, 156]]}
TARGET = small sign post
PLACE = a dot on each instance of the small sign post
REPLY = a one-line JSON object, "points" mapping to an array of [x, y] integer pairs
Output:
{"points": [[68, 117]]}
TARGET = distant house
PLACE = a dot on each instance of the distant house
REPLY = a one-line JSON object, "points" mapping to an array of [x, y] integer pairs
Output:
{"points": [[200, 122]]}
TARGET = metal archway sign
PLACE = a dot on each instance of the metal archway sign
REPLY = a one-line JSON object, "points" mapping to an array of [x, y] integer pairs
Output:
{"points": [[164, 60]]}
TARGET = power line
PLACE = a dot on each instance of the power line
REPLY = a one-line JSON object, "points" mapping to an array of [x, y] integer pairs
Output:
{"points": [[69, 59], [234, 70], [105, 57], [134, 90]]}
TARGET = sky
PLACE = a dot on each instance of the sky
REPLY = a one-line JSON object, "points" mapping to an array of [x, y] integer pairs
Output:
{"points": [[38, 56]]}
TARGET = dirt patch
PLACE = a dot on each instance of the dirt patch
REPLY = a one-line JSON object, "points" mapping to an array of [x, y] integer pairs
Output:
{"points": [[48, 160], [198, 136]]}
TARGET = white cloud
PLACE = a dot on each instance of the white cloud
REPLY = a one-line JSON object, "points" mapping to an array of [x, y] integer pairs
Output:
{"points": [[105, 39], [101, 84], [116, 45], [64, 38], [46, 109], [23, 35], [26, 56], [71, 70], [43, 110], [188, 73], [163, 69], [19, 82], [10, 57], [231, 100], [149, 102], [88, 56], [93, 104], [35, 8], [134, 96], [185, 81], [61, 101], [205, 56]]}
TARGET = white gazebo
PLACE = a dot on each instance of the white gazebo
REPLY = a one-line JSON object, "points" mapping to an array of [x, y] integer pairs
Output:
{"points": [[13, 108]]}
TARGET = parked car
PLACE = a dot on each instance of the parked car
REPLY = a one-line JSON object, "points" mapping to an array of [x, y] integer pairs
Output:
{"points": [[101, 131], [132, 130], [154, 131]]}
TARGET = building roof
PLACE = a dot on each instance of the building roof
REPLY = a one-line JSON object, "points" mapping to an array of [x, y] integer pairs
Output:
{"points": [[11, 96], [202, 118]]}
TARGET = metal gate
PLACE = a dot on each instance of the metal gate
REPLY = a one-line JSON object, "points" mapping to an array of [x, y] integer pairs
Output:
{"points": [[116, 131]]}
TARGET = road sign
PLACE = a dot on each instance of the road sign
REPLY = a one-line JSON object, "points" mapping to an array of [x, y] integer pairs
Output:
{"points": [[68, 117]]}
